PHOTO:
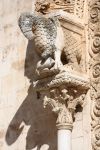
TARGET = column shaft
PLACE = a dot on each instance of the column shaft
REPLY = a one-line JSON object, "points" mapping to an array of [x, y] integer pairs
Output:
{"points": [[64, 139]]}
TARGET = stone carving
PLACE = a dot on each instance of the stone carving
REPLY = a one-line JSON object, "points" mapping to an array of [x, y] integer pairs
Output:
{"points": [[95, 71], [49, 41], [58, 44], [96, 125], [72, 6], [47, 6], [62, 94], [94, 11], [72, 51], [64, 77], [79, 8], [57, 100], [96, 43]]}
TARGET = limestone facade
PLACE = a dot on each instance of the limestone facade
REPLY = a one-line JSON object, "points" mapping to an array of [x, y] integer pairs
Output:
{"points": [[66, 83]]}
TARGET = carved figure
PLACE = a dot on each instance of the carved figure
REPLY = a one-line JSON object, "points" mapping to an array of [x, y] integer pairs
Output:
{"points": [[48, 37], [53, 47]]}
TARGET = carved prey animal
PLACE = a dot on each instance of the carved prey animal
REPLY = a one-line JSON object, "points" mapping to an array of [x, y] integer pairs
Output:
{"points": [[48, 37]]}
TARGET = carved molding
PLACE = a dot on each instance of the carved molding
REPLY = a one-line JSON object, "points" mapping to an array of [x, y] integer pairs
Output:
{"points": [[94, 26], [66, 76], [75, 7]]}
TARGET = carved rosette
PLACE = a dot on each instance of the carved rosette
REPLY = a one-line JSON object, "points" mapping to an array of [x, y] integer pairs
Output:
{"points": [[95, 71], [63, 93]]}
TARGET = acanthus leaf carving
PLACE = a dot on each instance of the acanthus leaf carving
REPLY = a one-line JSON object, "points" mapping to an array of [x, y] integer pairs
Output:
{"points": [[63, 100]]}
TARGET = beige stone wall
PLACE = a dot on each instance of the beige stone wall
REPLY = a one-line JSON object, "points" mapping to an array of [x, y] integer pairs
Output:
{"points": [[24, 124], [81, 135], [22, 121]]}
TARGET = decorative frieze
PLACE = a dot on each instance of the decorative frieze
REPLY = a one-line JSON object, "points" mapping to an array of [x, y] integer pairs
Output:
{"points": [[75, 7], [94, 51]]}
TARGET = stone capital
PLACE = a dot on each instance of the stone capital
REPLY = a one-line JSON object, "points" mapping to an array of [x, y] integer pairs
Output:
{"points": [[63, 93]]}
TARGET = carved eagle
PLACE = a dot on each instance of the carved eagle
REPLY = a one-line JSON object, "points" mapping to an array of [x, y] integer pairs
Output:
{"points": [[50, 42], [43, 30]]}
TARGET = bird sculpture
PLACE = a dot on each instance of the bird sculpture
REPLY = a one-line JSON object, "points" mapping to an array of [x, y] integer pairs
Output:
{"points": [[48, 38]]}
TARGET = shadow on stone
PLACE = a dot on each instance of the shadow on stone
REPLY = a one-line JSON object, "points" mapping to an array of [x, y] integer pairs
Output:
{"points": [[42, 122]]}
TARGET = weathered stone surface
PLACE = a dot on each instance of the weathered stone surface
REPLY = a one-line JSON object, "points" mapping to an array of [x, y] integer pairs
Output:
{"points": [[24, 123]]}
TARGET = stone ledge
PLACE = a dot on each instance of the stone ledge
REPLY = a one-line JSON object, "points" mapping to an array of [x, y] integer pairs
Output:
{"points": [[70, 79]]}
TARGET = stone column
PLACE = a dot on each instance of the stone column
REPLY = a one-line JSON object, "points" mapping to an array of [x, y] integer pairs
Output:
{"points": [[63, 93], [64, 139], [63, 102], [64, 126]]}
